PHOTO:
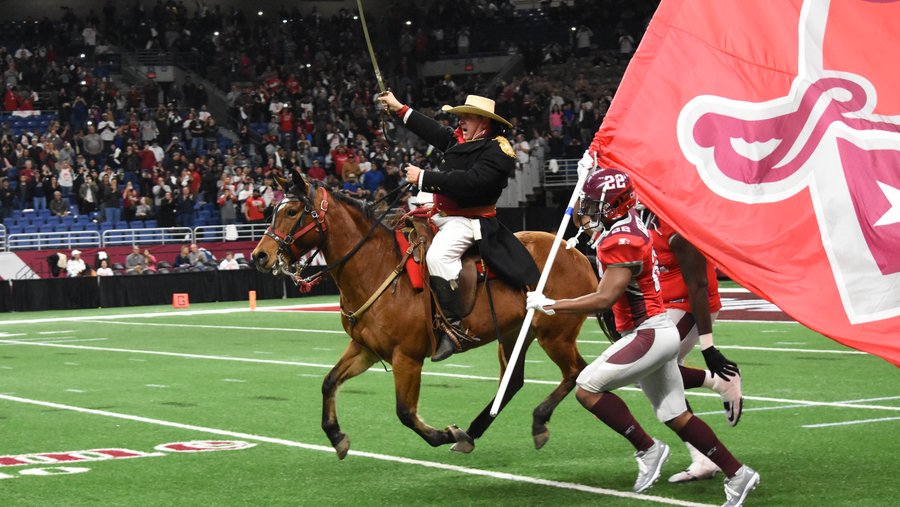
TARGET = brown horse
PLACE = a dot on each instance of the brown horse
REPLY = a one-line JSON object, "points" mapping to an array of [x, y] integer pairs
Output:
{"points": [[362, 254]]}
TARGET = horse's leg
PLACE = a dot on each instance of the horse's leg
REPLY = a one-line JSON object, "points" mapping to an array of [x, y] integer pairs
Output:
{"points": [[483, 420], [561, 349], [407, 381], [356, 359]]}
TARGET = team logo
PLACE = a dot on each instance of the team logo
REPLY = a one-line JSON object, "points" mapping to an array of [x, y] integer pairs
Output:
{"points": [[824, 136]]}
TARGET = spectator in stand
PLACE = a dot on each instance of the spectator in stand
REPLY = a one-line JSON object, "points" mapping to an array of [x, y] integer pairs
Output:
{"points": [[112, 202], [166, 211], [228, 263], [134, 259], [228, 206], [24, 192], [89, 195], [75, 266], [316, 171], [38, 198], [160, 190], [184, 210], [353, 188], [129, 202], [92, 144], [104, 269], [58, 206], [197, 256], [182, 260], [253, 208], [144, 210], [149, 261], [7, 199]]}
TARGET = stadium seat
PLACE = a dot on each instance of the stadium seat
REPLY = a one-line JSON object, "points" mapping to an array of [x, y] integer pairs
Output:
{"points": [[150, 224], [121, 225], [46, 228], [117, 266], [164, 271], [75, 227], [163, 264], [135, 224]]}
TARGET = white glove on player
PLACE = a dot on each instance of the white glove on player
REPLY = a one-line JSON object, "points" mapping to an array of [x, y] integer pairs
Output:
{"points": [[586, 164], [537, 301]]}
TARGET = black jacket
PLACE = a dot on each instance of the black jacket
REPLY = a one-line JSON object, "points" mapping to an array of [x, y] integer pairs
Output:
{"points": [[474, 174]]}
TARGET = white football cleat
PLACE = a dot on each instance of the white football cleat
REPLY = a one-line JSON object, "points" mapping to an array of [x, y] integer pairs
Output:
{"points": [[650, 463], [738, 487]]}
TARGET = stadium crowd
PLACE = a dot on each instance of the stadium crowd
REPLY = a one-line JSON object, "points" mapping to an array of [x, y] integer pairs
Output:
{"points": [[301, 96]]}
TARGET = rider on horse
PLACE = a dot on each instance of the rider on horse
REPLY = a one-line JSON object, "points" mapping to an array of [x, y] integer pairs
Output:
{"points": [[475, 168]]}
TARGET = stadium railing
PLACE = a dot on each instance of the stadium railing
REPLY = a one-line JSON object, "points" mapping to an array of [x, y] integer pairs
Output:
{"points": [[237, 232], [44, 240], [2, 238], [156, 235], [560, 173]]}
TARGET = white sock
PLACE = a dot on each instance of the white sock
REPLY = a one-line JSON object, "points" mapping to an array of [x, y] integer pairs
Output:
{"points": [[698, 460], [709, 381]]}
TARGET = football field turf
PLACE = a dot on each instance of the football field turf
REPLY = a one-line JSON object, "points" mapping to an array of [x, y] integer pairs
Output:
{"points": [[821, 422]]}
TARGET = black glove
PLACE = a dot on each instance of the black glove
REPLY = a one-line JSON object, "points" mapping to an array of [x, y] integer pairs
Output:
{"points": [[718, 364]]}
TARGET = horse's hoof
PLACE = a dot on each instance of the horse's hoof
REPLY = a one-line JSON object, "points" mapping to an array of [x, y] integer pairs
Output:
{"points": [[342, 447], [464, 443], [541, 438]]}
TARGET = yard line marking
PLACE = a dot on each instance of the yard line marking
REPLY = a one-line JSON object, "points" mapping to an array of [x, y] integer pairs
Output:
{"points": [[4, 367], [74, 391], [11, 335], [89, 318], [779, 349], [363, 454], [263, 352], [158, 386], [536, 361], [424, 373], [781, 407], [451, 365], [210, 326], [313, 375], [75, 340], [57, 332], [69, 363], [233, 380], [326, 349], [137, 360], [848, 423]]}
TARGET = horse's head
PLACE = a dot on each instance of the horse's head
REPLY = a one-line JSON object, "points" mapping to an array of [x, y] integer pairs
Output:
{"points": [[296, 228]]}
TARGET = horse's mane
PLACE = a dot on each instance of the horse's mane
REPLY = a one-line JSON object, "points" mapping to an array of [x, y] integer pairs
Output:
{"points": [[370, 212]]}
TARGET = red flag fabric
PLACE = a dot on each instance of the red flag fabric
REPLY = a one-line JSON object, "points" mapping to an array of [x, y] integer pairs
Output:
{"points": [[768, 134]]}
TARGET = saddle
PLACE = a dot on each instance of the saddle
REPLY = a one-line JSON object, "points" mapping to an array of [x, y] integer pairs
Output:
{"points": [[474, 269]]}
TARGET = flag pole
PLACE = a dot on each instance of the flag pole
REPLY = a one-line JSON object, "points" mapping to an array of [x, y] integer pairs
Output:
{"points": [[529, 315]]}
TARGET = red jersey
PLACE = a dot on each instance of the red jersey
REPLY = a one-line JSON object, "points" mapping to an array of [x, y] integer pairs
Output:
{"points": [[674, 290], [627, 244]]}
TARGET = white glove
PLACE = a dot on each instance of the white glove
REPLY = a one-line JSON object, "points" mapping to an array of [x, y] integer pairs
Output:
{"points": [[537, 301], [573, 241], [586, 164]]}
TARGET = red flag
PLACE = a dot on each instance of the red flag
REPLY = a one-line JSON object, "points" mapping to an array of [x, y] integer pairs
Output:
{"points": [[768, 133]]}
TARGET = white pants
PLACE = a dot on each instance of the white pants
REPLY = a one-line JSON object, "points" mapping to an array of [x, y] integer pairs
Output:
{"points": [[689, 337], [646, 355], [455, 235]]}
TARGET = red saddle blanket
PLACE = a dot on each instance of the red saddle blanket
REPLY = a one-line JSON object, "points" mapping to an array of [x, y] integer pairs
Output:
{"points": [[414, 267]]}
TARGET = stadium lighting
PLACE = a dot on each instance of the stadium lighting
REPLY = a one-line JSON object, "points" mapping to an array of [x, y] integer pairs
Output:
{"points": [[259, 13], [284, 21], [573, 28], [81, 55], [355, 18], [308, 65], [216, 34], [408, 22]]}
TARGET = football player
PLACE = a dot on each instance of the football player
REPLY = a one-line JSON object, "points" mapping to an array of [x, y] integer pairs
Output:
{"points": [[648, 349], [690, 294]]}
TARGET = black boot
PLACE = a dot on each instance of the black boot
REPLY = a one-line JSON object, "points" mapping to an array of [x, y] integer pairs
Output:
{"points": [[448, 298]]}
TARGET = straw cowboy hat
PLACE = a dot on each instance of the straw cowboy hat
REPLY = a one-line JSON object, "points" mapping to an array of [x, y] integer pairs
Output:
{"points": [[480, 106]]}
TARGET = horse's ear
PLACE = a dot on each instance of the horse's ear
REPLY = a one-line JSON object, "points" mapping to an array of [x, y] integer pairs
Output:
{"points": [[299, 181], [281, 181]]}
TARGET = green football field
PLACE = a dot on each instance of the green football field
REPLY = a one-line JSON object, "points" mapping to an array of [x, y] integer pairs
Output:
{"points": [[238, 393]]}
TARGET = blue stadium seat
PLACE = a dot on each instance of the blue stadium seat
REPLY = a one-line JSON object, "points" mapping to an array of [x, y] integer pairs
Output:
{"points": [[82, 219], [76, 227], [17, 229], [17, 213], [46, 228], [121, 225], [60, 227], [150, 224], [135, 224]]}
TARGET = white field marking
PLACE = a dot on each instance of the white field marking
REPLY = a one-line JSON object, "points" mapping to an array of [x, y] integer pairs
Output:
{"points": [[377, 369], [451, 365], [326, 349], [209, 326], [790, 343], [313, 375], [263, 352], [4, 367], [363, 454], [782, 407], [57, 332], [89, 318], [76, 340], [156, 386], [137, 360], [72, 364], [40, 338], [536, 361], [773, 331], [848, 423], [233, 380], [736, 290], [74, 391], [11, 335], [779, 349]]}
